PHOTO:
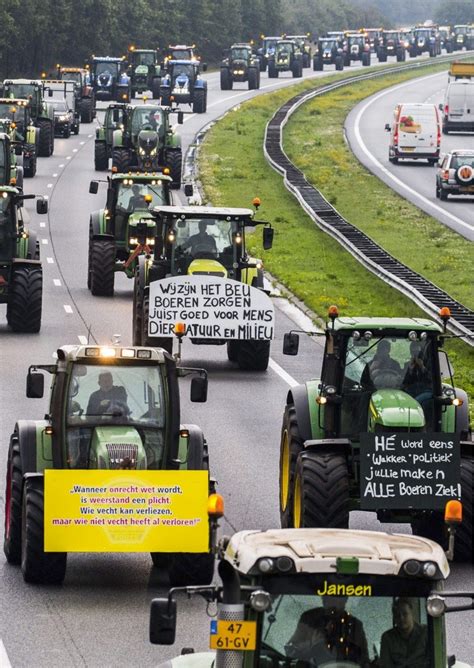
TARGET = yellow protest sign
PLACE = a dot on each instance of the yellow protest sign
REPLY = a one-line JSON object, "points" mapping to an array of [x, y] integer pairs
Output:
{"points": [[125, 511]]}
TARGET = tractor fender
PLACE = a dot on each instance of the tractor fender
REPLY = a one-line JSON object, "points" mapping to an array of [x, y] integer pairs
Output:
{"points": [[298, 396], [117, 138], [97, 223], [200, 84], [195, 456], [33, 247], [462, 412], [100, 133], [173, 140], [26, 432], [32, 135]]}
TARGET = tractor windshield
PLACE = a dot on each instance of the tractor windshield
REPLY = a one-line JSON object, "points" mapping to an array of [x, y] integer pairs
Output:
{"points": [[182, 54], [107, 66], [327, 44], [144, 58], [72, 76], [285, 48], [146, 118], [131, 196], [201, 238], [8, 110], [240, 54], [461, 30], [391, 35], [269, 44], [114, 409], [183, 68], [21, 90]]}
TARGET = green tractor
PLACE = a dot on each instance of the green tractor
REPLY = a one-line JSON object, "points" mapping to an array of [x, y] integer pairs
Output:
{"points": [[144, 71], [240, 64], [286, 58], [11, 171], [382, 428], [115, 118], [301, 598], [15, 115], [41, 112], [146, 141], [125, 228], [135, 428], [303, 42], [21, 277], [195, 244]]}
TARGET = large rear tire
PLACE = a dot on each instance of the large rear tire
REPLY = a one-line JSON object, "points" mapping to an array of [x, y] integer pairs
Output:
{"points": [[102, 265], [174, 160], [30, 170], [13, 501], [121, 160], [321, 493], [318, 64], [38, 566], [253, 78], [272, 70], [87, 110], [253, 355], [200, 101], [46, 138], [291, 444], [155, 88], [101, 160], [26, 298], [226, 79]]}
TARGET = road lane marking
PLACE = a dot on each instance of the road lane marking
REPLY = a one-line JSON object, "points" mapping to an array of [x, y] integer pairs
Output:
{"points": [[4, 660], [289, 380], [75, 150], [67, 308], [44, 241], [83, 142], [385, 170], [68, 157], [42, 224], [90, 136], [57, 282], [82, 339], [54, 176], [49, 260], [60, 166], [50, 185]]}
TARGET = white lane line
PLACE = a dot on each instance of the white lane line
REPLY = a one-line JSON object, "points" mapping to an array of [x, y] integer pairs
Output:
{"points": [[67, 308], [55, 175], [4, 660], [44, 241], [83, 142], [50, 185], [90, 136], [386, 171], [289, 380], [82, 339], [68, 157], [75, 150], [60, 166], [50, 260], [57, 282], [42, 224]]}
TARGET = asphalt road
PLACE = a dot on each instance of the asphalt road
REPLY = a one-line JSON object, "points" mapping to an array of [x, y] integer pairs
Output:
{"points": [[99, 617], [414, 180]]}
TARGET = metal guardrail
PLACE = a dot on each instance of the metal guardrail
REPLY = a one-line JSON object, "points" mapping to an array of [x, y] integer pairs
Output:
{"points": [[425, 294]]}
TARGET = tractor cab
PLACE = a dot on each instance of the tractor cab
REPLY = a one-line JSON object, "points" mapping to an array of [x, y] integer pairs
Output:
{"points": [[115, 118], [184, 52], [144, 58], [109, 79], [18, 112], [183, 84], [144, 70], [26, 90]]}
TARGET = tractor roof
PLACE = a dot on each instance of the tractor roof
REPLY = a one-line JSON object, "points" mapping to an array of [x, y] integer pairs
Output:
{"points": [[241, 45], [204, 211], [111, 59], [20, 101], [33, 82], [141, 177], [109, 353], [72, 69], [316, 550], [348, 323], [142, 50], [183, 62]]}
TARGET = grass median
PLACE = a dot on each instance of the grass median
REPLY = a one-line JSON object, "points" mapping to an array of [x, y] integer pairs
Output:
{"points": [[311, 264]]}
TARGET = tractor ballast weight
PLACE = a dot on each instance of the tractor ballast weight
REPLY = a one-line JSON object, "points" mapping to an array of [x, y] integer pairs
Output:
{"points": [[183, 84], [240, 64], [285, 58], [144, 71], [109, 80]]}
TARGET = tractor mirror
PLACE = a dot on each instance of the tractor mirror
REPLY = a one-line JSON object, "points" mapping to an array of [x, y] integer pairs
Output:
{"points": [[116, 115], [267, 238], [291, 343], [180, 117], [440, 106], [94, 187], [199, 389], [163, 621], [188, 190], [387, 127], [34, 385], [42, 206], [204, 67]]}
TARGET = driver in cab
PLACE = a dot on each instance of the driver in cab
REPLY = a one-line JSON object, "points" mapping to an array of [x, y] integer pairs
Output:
{"points": [[107, 397], [200, 242]]}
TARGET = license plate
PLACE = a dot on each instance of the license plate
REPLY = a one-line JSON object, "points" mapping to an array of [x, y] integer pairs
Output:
{"points": [[407, 149], [231, 635], [468, 189]]}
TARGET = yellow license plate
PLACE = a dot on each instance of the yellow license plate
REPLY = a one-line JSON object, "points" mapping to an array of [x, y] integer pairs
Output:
{"points": [[233, 635], [468, 189], [407, 149]]}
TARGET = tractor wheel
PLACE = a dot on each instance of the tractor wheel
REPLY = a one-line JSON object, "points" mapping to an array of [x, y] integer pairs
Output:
{"points": [[137, 312], [155, 88], [233, 350], [263, 64], [226, 79], [339, 63], [187, 568], [306, 60], [13, 499], [101, 160], [76, 128], [321, 492], [87, 110], [174, 160], [38, 566], [89, 258], [253, 78], [102, 274], [290, 446], [67, 132], [200, 101], [318, 65], [394, 160], [366, 59], [121, 160], [253, 355], [165, 99], [272, 70], [30, 171], [26, 296], [46, 138], [153, 341], [400, 54]]}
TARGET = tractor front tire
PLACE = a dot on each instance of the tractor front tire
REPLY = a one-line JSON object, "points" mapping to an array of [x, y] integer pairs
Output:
{"points": [[226, 79], [102, 267], [174, 160], [30, 171], [87, 110], [253, 78], [38, 566], [46, 138], [200, 101], [26, 298], [155, 88], [253, 355], [339, 63], [318, 65], [13, 501], [321, 492], [272, 70], [121, 160], [188, 568], [101, 160], [291, 444]]}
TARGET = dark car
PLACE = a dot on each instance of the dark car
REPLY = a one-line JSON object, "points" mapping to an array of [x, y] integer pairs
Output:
{"points": [[63, 118], [455, 175]]}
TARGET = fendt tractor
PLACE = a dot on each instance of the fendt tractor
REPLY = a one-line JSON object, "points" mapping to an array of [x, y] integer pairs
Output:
{"points": [[109, 79], [357, 48], [114, 118], [328, 51], [286, 58], [137, 429], [381, 378], [124, 229], [266, 51], [240, 64], [193, 244], [84, 90], [41, 112], [146, 141], [391, 45], [182, 84], [326, 598], [21, 277], [24, 136], [303, 42], [144, 71]]}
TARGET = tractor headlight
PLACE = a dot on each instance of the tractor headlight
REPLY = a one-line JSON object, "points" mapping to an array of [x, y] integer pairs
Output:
{"points": [[266, 565], [133, 241], [141, 151], [153, 151], [430, 569], [412, 336], [150, 241], [435, 605]]}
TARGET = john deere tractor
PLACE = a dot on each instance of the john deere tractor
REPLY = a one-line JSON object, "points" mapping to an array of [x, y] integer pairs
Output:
{"points": [[124, 229], [41, 112], [196, 242], [137, 428], [115, 118], [182, 84], [303, 42], [109, 79], [11, 172], [144, 71], [240, 64], [21, 278], [364, 434], [146, 141], [327, 598], [286, 58], [84, 91]]}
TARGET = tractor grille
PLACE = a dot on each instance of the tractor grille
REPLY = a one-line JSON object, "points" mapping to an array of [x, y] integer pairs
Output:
{"points": [[208, 273], [122, 455]]}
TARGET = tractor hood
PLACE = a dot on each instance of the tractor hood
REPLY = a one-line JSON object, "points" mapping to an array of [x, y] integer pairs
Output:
{"points": [[181, 82], [147, 140], [116, 447], [396, 409], [207, 267], [141, 69], [137, 216], [105, 78]]}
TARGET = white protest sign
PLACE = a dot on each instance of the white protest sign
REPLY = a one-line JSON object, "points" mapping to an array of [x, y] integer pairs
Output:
{"points": [[211, 307]]}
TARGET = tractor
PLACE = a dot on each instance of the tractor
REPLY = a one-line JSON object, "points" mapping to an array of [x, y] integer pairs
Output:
{"points": [[183, 52], [148, 142], [425, 40], [463, 37], [115, 117], [137, 428], [109, 79], [41, 112], [124, 229], [329, 51], [447, 38], [303, 42], [266, 51], [240, 64], [144, 71], [21, 277], [382, 379], [391, 44], [15, 117], [182, 84], [194, 244], [320, 597], [357, 47], [11, 172], [84, 91], [286, 58]]}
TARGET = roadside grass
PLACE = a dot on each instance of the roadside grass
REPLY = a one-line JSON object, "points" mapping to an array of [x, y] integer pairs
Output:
{"points": [[310, 263]]}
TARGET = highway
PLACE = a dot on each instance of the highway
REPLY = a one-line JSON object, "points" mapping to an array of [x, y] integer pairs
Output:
{"points": [[99, 617]]}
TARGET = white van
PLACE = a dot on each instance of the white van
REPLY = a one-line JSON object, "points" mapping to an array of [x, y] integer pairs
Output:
{"points": [[458, 108], [415, 133]]}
